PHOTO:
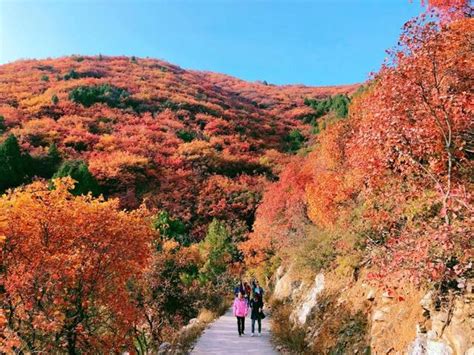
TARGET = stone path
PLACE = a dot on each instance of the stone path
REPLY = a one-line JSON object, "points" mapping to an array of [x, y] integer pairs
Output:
{"points": [[222, 338]]}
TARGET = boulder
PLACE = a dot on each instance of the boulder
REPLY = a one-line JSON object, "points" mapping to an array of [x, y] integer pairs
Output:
{"points": [[427, 301], [284, 285], [371, 295], [301, 313]]}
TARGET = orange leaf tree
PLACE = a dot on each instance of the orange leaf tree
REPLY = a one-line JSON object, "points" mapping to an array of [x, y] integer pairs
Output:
{"points": [[66, 261]]}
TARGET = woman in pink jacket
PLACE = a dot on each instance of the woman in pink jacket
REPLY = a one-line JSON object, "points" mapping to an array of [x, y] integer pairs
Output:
{"points": [[241, 308]]}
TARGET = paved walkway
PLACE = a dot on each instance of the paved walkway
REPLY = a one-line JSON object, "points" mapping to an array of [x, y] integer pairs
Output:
{"points": [[221, 338]]}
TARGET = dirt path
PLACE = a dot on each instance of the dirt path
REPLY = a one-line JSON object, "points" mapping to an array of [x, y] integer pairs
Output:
{"points": [[222, 338]]}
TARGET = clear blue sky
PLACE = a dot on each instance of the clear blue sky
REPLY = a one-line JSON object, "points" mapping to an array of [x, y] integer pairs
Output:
{"points": [[318, 42]]}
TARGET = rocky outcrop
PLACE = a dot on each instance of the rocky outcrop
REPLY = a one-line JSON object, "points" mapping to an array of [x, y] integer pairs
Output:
{"points": [[300, 314], [411, 322]]}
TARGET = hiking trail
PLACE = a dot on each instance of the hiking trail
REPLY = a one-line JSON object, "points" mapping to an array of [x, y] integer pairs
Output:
{"points": [[221, 338]]}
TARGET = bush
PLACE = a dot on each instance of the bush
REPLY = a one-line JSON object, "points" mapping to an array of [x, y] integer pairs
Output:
{"points": [[3, 125], [290, 336], [217, 249], [14, 164], [186, 136], [105, 93], [294, 141], [45, 78], [339, 104], [46, 166], [79, 171], [54, 99], [170, 228]]}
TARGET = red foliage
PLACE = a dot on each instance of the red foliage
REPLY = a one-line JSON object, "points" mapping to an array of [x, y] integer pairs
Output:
{"points": [[164, 141], [397, 171]]}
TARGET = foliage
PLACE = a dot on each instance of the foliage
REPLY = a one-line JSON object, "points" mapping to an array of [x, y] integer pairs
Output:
{"points": [[337, 104], [108, 94], [294, 140], [391, 183], [54, 99], [78, 171], [13, 163], [3, 126], [170, 228], [186, 136], [151, 131], [216, 250], [46, 166], [59, 294]]}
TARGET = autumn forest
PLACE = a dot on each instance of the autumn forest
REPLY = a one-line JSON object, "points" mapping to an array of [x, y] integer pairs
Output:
{"points": [[134, 193]]}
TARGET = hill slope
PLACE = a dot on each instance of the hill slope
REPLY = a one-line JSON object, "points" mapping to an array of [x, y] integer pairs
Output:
{"points": [[198, 145]]}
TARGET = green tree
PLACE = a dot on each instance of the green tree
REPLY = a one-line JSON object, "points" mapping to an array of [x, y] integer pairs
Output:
{"points": [[186, 136], [46, 166], [108, 94], [339, 104], [170, 228], [217, 249], [3, 125], [78, 170], [294, 140], [13, 163], [54, 99]]}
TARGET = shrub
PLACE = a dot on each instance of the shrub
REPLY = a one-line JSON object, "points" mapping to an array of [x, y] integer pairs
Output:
{"points": [[217, 249], [14, 164], [79, 171], [3, 125], [339, 104], [289, 335], [170, 228], [294, 141], [46, 166], [45, 78], [54, 99], [105, 93], [186, 136]]}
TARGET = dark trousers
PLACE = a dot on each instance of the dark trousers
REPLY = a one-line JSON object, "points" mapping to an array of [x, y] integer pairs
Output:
{"points": [[259, 321], [241, 325]]}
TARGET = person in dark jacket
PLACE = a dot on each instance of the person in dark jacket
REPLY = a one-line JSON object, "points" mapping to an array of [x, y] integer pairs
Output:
{"points": [[256, 305], [239, 288]]}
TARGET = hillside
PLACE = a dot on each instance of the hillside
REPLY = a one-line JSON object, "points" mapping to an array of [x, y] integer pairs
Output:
{"points": [[198, 145]]}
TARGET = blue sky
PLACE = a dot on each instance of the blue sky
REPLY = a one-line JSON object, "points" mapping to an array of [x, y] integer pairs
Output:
{"points": [[318, 42]]}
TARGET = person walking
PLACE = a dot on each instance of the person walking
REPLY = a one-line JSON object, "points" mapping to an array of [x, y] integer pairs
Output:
{"points": [[256, 305], [247, 290], [240, 308], [258, 289], [239, 288]]}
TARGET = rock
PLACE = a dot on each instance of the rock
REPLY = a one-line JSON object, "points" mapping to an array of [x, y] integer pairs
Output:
{"points": [[427, 301], [300, 314], [418, 346], [432, 335], [164, 348], [470, 351], [378, 316], [285, 285], [438, 348], [193, 321], [371, 295]]}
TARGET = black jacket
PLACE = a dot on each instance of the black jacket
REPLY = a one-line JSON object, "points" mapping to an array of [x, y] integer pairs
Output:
{"points": [[256, 305]]}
